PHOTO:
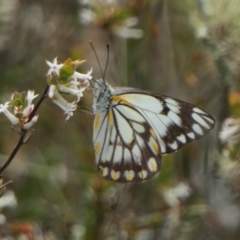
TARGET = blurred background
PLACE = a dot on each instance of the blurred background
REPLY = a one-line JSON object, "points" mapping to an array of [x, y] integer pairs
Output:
{"points": [[186, 49]]}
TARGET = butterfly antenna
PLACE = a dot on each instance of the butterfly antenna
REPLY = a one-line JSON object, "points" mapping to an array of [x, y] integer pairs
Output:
{"points": [[90, 82], [106, 62], [90, 42]]}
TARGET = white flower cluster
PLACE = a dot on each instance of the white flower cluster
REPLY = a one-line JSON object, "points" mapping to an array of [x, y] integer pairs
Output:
{"points": [[66, 81], [62, 80], [21, 108]]}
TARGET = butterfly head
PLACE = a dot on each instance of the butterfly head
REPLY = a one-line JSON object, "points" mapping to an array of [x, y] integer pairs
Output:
{"points": [[102, 95]]}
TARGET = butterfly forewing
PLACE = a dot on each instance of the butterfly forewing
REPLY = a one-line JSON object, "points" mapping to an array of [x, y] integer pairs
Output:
{"points": [[175, 122], [136, 128], [186, 123]]}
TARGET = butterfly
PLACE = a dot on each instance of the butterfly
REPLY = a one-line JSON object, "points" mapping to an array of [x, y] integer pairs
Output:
{"points": [[134, 128]]}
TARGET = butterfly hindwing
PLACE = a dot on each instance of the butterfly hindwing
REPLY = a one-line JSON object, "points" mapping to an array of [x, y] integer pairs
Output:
{"points": [[130, 150]]}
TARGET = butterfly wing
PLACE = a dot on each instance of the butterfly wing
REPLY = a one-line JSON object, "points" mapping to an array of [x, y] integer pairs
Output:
{"points": [[139, 127], [126, 147], [175, 122]]}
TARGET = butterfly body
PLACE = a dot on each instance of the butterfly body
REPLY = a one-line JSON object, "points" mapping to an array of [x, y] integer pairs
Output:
{"points": [[134, 128], [102, 96]]}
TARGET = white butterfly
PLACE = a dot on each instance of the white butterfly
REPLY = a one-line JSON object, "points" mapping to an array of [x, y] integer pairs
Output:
{"points": [[134, 128]]}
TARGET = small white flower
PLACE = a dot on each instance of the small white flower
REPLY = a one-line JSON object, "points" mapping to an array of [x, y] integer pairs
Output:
{"points": [[31, 96], [172, 196], [77, 231], [27, 111], [54, 67], [30, 124], [86, 16], [131, 21], [4, 107], [67, 107], [10, 116], [73, 91], [8, 200], [126, 32], [202, 32], [71, 107], [51, 91], [59, 100], [74, 83], [182, 190], [81, 76], [230, 131]]}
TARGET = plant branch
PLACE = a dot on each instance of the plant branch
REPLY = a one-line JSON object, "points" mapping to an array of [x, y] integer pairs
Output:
{"points": [[39, 102], [24, 132]]}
